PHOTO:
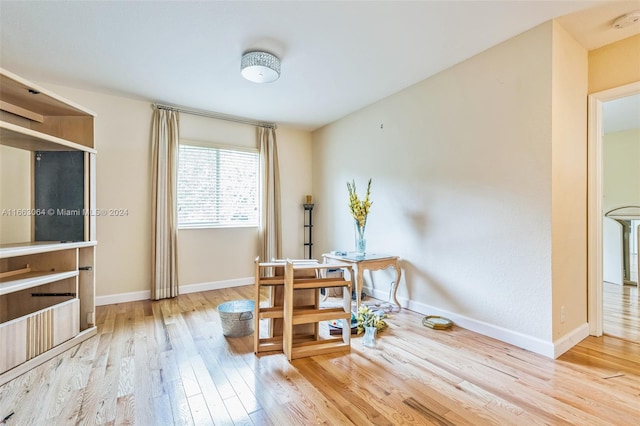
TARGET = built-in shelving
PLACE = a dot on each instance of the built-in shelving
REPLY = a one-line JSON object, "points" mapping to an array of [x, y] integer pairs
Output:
{"points": [[32, 140], [32, 279], [33, 247], [35, 108], [47, 288]]}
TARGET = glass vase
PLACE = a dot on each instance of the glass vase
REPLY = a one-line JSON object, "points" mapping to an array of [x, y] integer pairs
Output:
{"points": [[369, 338], [361, 242]]}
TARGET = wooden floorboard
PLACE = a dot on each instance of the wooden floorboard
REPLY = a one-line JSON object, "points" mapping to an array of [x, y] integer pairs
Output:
{"points": [[167, 363], [621, 307]]}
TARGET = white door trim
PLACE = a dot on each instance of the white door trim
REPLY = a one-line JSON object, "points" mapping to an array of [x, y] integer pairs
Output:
{"points": [[594, 201]]}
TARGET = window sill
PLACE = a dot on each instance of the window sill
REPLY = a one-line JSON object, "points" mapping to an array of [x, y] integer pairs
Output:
{"points": [[205, 226]]}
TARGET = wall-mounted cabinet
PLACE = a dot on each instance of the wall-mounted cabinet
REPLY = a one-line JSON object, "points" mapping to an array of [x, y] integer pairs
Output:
{"points": [[47, 227]]}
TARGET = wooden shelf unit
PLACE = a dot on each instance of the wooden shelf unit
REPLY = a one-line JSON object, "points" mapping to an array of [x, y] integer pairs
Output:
{"points": [[296, 314], [270, 276], [47, 288], [273, 310]]}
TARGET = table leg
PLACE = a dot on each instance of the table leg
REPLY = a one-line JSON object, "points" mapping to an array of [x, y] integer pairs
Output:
{"points": [[358, 285], [396, 284]]}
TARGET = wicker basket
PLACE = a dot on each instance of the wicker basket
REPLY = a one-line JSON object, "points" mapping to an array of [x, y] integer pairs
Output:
{"points": [[236, 317]]}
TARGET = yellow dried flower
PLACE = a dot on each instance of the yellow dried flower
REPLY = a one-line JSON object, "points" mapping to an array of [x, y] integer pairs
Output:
{"points": [[366, 317], [359, 208]]}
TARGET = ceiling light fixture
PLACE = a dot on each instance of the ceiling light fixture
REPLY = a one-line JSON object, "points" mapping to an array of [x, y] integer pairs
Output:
{"points": [[260, 67], [626, 20]]}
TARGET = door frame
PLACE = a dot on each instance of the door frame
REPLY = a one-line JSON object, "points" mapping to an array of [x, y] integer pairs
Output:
{"points": [[595, 315]]}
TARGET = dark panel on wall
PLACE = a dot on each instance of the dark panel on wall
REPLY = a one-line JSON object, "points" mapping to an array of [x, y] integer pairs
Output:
{"points": [[59, 193]]}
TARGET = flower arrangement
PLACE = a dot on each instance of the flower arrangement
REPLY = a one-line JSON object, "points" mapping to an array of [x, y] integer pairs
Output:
{"points": [[359, 208], [366, 317]]}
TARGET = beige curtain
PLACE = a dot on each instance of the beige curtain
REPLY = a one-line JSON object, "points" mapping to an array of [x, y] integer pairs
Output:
{"points": [[270, 233], [164, 258]]}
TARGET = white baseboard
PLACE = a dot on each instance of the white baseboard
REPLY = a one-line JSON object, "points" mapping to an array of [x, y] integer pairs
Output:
{"points": [[533, 344], [135, 296], [216, 285], [570, 339], [132, 296]]}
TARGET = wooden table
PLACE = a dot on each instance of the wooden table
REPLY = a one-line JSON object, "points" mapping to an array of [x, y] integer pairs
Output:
{"points": [[372, 262]]}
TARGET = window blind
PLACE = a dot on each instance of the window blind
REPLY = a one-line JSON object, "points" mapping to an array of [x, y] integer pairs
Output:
{"points": [[217, 187]]}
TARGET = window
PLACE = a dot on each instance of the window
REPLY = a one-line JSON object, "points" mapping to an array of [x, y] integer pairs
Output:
{"points": [[217, 187]]}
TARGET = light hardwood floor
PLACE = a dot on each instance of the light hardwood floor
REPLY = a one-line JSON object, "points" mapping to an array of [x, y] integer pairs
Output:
{"points": [[621, 307], [166, 362]]}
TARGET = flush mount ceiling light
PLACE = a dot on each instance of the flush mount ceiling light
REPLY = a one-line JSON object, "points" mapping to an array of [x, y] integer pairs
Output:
{"points": [[626, 20], [260, 67]]}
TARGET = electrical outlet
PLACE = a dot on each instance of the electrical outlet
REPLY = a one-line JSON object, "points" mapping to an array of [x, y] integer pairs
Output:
{"points": [[563, 314]]}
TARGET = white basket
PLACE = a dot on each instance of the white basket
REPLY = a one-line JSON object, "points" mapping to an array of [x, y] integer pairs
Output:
{"points": [[236, 317]]}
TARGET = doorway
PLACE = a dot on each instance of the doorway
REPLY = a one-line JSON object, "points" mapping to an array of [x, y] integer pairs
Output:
{"points": [[613, 309]]}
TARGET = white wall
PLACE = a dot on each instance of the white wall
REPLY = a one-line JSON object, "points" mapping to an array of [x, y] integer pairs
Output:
{"points": [[612, 252], [615, 64], [621, 160], [212, 257], [464, 168], [621, 187], [569, 190], [294, 156]]}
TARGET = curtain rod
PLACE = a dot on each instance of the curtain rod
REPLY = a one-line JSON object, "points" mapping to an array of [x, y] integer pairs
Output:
{"points": [[218, 116]]}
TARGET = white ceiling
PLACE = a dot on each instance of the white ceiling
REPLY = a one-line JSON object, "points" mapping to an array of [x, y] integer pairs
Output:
{"points": [[337, 56]]}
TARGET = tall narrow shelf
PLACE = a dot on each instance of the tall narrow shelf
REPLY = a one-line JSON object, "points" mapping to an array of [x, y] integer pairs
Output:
{"points": [[308, 227], [47, 288]]}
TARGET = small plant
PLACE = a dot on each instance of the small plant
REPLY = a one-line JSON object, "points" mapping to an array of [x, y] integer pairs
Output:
{"points": [[366, 317]]}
